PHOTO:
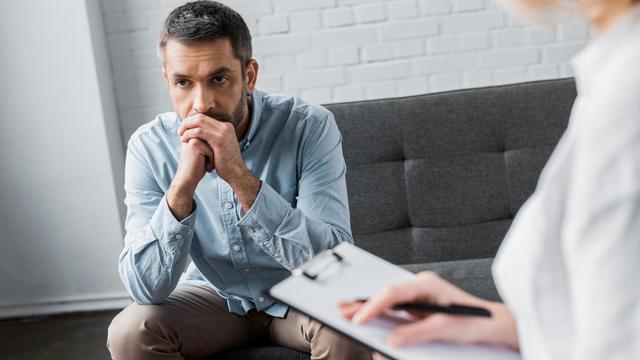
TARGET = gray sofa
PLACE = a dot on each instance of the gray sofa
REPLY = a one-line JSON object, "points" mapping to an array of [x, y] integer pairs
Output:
{"points": [[435, 180]]}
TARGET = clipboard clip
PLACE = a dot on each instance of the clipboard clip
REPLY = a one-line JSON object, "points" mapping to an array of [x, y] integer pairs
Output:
{"points": [[319, 264]]}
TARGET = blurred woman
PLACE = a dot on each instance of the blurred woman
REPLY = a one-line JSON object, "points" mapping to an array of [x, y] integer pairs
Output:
{"points": [[569, 267]]}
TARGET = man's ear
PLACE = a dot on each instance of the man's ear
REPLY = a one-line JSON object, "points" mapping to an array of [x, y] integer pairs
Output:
{"points": [[251, 73], [165, 76]]}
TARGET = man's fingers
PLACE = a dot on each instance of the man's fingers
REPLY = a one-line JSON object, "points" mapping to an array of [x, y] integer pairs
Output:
{"points": [[197, 120], [195, 133], [388, 297], [205, 122]]}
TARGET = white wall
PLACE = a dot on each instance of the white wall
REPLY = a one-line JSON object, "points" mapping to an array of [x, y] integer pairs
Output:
{"points": [[341, 50], [60, 225]]}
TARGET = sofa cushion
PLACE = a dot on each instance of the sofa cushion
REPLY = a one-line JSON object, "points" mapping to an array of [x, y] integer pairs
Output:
{"points": [[262, 353], [439, 177], [473, 276]]}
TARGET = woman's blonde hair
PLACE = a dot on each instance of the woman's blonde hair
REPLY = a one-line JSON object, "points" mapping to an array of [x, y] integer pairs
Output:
{"points": [[549, 11]]}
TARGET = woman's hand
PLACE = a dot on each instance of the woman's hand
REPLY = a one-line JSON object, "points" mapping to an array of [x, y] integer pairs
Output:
{"points": [[428, 287]]}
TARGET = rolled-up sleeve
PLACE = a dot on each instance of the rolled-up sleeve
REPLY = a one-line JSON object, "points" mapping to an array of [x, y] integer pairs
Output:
{"points": [[156, 245], [320, 219]]}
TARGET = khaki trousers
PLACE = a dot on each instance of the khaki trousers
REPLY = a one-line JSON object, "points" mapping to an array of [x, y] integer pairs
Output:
{"points": [[194, 322]]}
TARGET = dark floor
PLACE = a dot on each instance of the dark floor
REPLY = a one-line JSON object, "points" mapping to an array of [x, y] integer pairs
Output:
{"points": [[78, 336]]}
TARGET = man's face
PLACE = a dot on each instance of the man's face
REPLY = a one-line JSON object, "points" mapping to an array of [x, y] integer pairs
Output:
{"points": [[207, 78]]}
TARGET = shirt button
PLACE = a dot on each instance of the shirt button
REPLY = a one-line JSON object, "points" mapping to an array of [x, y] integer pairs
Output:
{"points": [[178, 236], [236, 247], [247, 270], [261, 299], [228, 205]]}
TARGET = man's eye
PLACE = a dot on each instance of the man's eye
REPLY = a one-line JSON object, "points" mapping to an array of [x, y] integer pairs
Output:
{"points": [[219, 80], [183, 82]]}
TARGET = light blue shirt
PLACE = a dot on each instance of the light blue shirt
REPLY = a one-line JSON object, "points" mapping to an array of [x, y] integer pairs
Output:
{"points": [[295, 149]]}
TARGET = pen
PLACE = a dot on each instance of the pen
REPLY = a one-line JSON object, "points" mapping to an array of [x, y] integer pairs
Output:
{"points": [[452, 309]]}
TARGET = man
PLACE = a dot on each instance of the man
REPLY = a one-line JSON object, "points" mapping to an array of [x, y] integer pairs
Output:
{"points": [[249, 184]]}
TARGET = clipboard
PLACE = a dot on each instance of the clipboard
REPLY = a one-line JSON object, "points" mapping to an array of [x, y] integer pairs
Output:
{"points": [[348, 272]]}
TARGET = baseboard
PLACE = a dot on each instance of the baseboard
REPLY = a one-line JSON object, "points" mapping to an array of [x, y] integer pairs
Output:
{"points": [[65, 306]]}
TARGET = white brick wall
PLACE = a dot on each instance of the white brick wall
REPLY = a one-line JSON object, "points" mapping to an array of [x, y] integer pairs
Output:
{"points": [[344, 50]]}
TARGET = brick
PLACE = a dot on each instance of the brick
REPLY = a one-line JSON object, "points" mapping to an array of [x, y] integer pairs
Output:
{"points": [[541, 35], [140, 5], [509, 76], [467, 5], [408, 29], [412, 86], [441, 44], [247, 7], [560, 53], [510, 37], [315, 78], [478, 78], [253, 25], [409, 48], [342, 37], [380, 90], [377, 52], [317, 95], [277, 44], [443, 64], [296, 5], [312, 59], [143, 40], [403, 9], [543, 71], [279, 65], [305, 20], [273, 24], [270, 83], [471, 22], [515, 20], [121, 22], [353, 2], [573, 31], [473, 41], [347, 55], [338, 17], [566, 70], [156, 18], [445, 82], [370, 13], [112, 6], [348, 93], [378, 71], [435, 7], [507, 58], [148, 78]]}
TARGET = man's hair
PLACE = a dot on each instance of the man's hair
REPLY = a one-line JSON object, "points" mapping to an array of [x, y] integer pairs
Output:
{"points": [[203, 21]]}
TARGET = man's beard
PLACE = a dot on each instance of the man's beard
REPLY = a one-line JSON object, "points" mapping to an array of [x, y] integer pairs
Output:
{"points": [[236, 116]]}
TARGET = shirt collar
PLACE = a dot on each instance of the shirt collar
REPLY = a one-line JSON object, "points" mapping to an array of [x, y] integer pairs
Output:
{"points": [[596, 54], [256, 114]]}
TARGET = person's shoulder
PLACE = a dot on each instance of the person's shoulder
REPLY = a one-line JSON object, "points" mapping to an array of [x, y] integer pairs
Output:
{"points": [[155, 130], [295, 107]]}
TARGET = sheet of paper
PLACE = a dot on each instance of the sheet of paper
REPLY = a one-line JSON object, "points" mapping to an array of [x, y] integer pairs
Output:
{"points": [[360, 275]]}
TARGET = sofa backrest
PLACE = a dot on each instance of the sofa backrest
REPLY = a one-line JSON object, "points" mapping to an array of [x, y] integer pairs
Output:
{"points": [[439, 177]]}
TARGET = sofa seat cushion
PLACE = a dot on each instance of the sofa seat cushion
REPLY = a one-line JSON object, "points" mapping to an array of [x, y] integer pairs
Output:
{"points": [[262, 353]]}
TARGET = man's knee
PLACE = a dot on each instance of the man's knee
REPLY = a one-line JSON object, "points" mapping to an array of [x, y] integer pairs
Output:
{"points": [[133, 330], [328, 344]]}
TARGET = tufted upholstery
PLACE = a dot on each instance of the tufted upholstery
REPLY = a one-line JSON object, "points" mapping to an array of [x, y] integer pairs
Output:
{"points": [[435, 180]]}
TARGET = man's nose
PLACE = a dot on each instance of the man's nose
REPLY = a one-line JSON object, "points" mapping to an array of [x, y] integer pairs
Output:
{"points": [[203, 101]]}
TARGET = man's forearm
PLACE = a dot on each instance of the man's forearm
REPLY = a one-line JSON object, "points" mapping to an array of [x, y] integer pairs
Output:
{"points": [[246, 188], [180, 201]]}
